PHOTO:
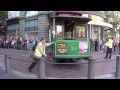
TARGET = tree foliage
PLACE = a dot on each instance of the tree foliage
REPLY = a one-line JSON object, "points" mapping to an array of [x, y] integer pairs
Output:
{"points": [[3, 16], [113, 17]]}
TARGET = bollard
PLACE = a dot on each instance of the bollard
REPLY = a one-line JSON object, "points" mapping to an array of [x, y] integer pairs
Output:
{"points": [[41, 68], [116, 50], [14, 47], [118, 66], [104, 49], [91, 68], [7, 65]]}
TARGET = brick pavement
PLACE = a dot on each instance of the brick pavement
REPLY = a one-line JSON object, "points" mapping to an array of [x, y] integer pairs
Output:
{"points": [[63, 71]]}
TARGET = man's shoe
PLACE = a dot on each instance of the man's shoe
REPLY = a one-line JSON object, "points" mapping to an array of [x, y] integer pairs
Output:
{"points": [[29, 70]]}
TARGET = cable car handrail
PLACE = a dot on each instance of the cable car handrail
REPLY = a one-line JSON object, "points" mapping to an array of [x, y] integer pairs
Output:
{"points": [[73, 38]]}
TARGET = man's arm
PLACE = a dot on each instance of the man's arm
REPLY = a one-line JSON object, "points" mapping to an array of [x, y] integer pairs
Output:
{"points": [[48, 44]]}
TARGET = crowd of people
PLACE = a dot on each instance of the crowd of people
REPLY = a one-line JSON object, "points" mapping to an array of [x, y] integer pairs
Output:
{"points": [[100, 45], [95, 44], [109, 44], [17, 44]]}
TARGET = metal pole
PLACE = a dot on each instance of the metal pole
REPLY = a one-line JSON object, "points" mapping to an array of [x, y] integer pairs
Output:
{"points": [[7, 65], [91, 68], [104, 49], [118, 66], [116, 50], [41, 68], [90, 32], [99, 39], [53, 26]]}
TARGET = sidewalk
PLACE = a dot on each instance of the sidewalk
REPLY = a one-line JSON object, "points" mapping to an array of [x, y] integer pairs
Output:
{"points": [[13, 76], [104, 70]]}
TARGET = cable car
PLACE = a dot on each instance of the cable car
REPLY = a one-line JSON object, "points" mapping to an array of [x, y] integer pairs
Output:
{"points": [[68, 29]]}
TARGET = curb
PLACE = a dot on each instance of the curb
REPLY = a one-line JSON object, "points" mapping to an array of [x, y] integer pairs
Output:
{"points": [[33, 76]]}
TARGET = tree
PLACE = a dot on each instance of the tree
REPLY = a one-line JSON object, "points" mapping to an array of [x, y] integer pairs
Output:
{"points": [[3, 16], [113, 17]]}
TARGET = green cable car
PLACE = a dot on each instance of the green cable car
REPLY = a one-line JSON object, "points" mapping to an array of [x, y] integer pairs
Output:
{"points": [[68, 29]]}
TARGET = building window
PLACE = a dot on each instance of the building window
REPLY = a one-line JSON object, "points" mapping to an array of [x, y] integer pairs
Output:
{"points": [[31, 13], [59, 31], [13, 26], [95, 32], [101, 19], [32, 35], [90, 16], [97, 18], [93, 18], [31, 23]]}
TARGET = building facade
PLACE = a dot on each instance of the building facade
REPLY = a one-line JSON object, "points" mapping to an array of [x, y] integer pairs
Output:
{"points": [[97, 26], [32, 24]]}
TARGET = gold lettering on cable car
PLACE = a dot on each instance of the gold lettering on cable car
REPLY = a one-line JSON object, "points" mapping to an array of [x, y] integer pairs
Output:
{"points": [[62, 48]]}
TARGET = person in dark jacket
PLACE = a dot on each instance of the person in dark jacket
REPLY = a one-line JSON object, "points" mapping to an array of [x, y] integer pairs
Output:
{"points": [[96, 45], [119, 46]]}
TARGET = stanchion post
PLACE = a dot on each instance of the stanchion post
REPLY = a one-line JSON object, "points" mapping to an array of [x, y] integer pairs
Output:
{"points": [[91, 68], [116, 50], [104, 49], [41, 68], [118, 66], [7, 65]]}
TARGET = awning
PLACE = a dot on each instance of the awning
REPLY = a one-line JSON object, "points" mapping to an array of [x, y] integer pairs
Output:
{"points": [[104, 24]]}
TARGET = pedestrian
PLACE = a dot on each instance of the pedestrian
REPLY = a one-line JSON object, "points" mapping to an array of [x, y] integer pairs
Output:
{"points": [[100, 45], [96, 45], [39, 52], [25, 45], [13, 44], [109, 45], [119, 46], [6, 43], [114, 44]]}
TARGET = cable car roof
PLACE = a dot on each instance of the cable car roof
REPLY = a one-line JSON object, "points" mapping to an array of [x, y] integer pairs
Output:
{"points": [[84, 19], [68, 14]]}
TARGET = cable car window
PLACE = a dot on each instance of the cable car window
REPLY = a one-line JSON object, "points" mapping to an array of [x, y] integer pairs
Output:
{"points": [[80, 32], [59, 31], [83, 32]]}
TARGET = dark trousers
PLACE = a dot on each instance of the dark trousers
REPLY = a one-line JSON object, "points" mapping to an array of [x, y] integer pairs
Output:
{"points": [[95, 48], [109, 52], [100, 47], [114, 48], [32, 65]]}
